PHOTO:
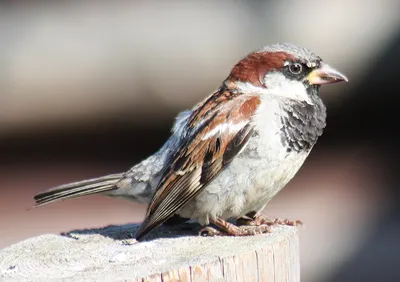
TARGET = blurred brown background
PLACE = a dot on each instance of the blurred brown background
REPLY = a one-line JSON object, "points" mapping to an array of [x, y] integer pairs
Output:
{"points": [[91, 87]]}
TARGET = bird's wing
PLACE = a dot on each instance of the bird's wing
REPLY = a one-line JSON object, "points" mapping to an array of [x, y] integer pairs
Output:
{"points": [[219, 129]]}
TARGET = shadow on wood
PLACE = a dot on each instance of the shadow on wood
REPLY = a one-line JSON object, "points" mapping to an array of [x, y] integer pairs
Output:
{"points": [[127, 231]]}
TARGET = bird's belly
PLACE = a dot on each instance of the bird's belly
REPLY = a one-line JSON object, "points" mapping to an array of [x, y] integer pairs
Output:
{"points": [[253, 178]]}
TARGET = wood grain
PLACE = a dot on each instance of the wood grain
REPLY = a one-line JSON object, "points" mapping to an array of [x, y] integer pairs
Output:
{"points": [[100, 255]]}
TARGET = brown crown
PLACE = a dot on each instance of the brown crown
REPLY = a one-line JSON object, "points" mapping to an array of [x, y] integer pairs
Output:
{"points": [[253, 67]]}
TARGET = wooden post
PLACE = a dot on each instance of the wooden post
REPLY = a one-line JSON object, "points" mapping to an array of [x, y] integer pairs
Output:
{"points": [[103, 255]]}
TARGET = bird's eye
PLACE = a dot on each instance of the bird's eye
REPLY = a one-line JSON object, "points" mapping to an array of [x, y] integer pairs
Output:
{"points": [[295, 68]]}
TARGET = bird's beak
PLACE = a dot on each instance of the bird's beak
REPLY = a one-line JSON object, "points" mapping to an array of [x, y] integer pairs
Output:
{"points": [[324, 75]]}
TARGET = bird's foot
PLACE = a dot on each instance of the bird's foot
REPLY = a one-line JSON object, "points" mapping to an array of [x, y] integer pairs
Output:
{"points": [[229, 229], [288, 222], [258, 219], [209, 232]]}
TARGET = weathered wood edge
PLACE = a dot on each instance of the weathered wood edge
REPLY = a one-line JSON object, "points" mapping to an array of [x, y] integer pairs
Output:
{"points": [[270, 257], [278, 261]]}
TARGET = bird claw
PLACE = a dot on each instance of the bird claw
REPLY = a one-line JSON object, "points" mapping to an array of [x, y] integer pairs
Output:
{"points": [[237, 231], [260, 219], [285, 221], [253, 225], [253, 230], [209, 232], [229, 229]]}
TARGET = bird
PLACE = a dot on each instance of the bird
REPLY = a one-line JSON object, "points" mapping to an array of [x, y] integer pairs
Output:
{"points": [[230, 154]]}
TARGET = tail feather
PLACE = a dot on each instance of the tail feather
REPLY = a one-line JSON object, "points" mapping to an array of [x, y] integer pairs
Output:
{"points": [[78, 189]]}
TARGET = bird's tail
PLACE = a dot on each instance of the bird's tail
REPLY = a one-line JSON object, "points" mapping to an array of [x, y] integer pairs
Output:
{"points": [[78, 189]]}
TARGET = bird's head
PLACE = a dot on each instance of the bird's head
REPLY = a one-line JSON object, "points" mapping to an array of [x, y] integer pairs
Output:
{"points": [[284, 70]]}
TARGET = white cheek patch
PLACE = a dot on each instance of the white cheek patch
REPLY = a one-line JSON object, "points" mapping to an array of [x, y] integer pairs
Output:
{"points": [[280, 85], [277, 85]]}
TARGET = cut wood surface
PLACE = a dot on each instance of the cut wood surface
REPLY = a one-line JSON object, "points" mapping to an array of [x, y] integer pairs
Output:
{"points": [[169, 254]]}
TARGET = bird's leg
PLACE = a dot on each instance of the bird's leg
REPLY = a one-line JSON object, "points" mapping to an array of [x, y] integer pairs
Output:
{"points": [[230, 229], [257, 219]]}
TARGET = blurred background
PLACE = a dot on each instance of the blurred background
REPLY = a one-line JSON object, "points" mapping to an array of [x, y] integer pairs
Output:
{"points": [[91, 87]]}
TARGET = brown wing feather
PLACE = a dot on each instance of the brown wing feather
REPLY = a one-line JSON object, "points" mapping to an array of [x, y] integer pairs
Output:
{"points": [[203, 156]]}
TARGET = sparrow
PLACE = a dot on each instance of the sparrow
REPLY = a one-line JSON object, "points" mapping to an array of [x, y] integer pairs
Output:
{"points": [[231, 153]]}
